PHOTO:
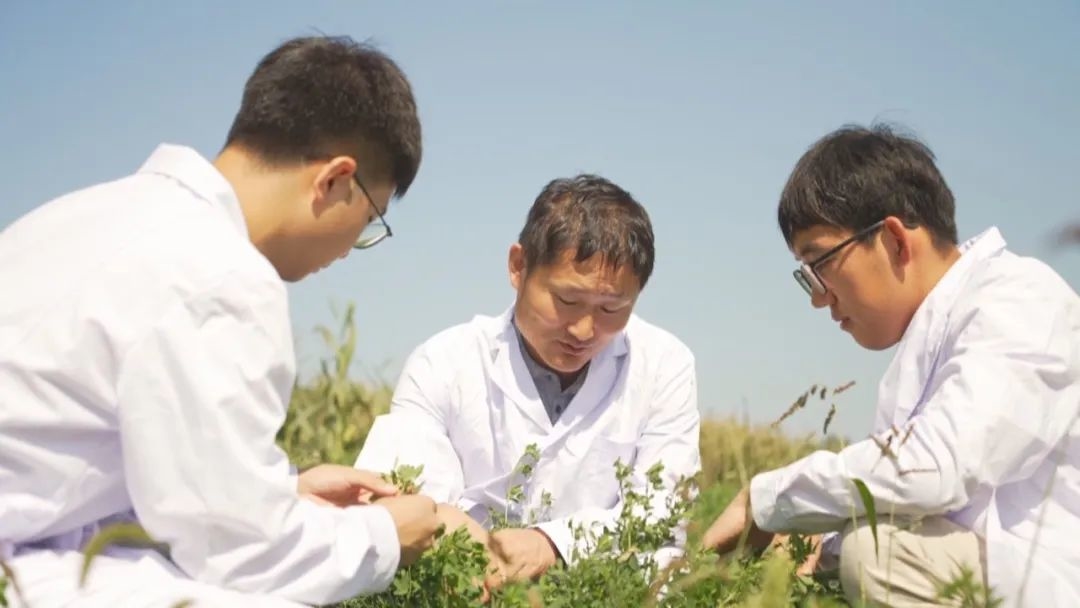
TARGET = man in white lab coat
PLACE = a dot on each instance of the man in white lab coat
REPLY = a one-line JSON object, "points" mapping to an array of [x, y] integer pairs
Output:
{"points": [[146, 357], [568, 368], [974, 458]]}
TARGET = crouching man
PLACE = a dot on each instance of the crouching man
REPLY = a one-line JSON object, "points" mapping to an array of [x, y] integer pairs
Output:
{"points": [[568, 368], [974, 459], [146, 356]]}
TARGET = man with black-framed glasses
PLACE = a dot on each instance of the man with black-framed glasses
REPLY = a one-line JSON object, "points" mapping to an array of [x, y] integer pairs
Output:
{"points": [[807, 275], [147, 362], [376, 229], [974, 458]]}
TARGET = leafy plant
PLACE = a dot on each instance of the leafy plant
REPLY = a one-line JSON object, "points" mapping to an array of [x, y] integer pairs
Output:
{"points": [[128, 534], [869, 507], [405, 478], [615, 565], [329, 416], [967, 591], [5, 574]]}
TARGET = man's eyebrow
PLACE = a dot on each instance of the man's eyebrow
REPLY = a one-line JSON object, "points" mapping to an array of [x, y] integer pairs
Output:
{"points": [[581, 291], [809, 251]]}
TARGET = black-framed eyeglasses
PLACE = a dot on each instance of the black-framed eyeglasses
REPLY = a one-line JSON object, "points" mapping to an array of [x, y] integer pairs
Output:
{"points": [[375, 231], [807, 276]]}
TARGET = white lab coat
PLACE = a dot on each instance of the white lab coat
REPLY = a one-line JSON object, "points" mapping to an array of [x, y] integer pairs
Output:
{"points": [[466, 408], [985, 386], [146, 363]]}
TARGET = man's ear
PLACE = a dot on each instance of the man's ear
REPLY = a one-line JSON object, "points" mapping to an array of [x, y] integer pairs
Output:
{"points": [[516, 266], [897, 239], [332, 183]]}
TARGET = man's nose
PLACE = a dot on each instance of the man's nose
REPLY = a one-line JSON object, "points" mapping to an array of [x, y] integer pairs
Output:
{"points": [[582, 329], [820, 300]]}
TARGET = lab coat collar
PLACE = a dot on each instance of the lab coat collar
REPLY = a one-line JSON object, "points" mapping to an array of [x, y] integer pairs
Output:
{"points": [[198, 175], [511, 375], [929, 325]]}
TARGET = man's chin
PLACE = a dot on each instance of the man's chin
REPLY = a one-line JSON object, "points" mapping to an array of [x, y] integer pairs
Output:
{"points": [[568, 364], [871, 343]]}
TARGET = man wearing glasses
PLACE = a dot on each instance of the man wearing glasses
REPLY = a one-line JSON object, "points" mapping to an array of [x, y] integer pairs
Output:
{"points": [[376, 229], [146, 356], [568, 368], [974, 459]]}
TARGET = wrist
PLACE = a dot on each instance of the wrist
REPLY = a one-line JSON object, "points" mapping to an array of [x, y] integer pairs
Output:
{"points": [[554, 556]]}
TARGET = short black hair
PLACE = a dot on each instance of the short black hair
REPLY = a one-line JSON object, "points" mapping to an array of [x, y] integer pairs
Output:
{"points": [[588, 214], [857, 176], [315, 97]]}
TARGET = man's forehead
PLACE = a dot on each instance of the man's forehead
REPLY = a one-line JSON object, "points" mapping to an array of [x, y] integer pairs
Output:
{"points": [[603, 282], [591, 276]]}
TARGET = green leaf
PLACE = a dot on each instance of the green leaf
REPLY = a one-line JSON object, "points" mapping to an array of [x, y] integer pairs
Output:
{"points": [[871, 511], [127, 534]]}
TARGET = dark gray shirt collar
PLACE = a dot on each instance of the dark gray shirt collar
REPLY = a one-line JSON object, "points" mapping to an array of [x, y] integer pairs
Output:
{"points": [[548, 386]]}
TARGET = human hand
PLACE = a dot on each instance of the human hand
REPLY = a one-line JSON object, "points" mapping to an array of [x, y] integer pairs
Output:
{"points": [[342, 486], [416, 522], [812, 559], [726, 531], [519, 554], [453, 518]]}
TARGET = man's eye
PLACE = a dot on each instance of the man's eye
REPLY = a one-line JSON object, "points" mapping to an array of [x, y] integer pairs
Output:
{"points": [[611, 311], [565, 301]]}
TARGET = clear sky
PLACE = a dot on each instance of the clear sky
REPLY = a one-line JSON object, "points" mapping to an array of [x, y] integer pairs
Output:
{"points": [[699, 109]]}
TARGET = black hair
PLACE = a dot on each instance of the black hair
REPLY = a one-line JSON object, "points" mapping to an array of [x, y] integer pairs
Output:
{"points": [[857, 176], [587, 215], [312, 98]]}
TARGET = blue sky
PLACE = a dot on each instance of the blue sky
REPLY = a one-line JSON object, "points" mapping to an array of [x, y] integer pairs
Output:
{"points": [[699, 109]]}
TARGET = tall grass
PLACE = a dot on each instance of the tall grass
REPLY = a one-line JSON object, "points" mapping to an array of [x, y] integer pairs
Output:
{"points": [[329, 416]]}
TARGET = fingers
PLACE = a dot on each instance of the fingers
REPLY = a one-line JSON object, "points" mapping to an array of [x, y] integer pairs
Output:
{"points": [[780, 540], [370, 481], [807, 568], [494, 578]]}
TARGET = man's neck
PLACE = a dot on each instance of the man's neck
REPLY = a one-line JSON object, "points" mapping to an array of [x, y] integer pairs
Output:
{"points": [[937, 268], [259, 191]]}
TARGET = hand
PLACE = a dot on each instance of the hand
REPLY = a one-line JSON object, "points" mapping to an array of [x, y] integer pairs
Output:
{"points": [[341, 486], [811, 562], [453, 518], [416, 522], [724, 533], [520, 554]]}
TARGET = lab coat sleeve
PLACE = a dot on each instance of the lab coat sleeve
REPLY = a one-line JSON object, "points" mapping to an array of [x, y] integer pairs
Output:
{"points": [[201, 396], [1001, 400], [415, 430], [670, 437]]}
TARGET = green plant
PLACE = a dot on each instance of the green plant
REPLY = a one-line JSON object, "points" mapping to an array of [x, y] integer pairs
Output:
{"points": [[329, 417], [6, 572], [969, 592], [614, 565], [405, 478]]}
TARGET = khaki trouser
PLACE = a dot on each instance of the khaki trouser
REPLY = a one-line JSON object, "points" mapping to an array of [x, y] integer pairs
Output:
{"points": [[913, 561]]}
